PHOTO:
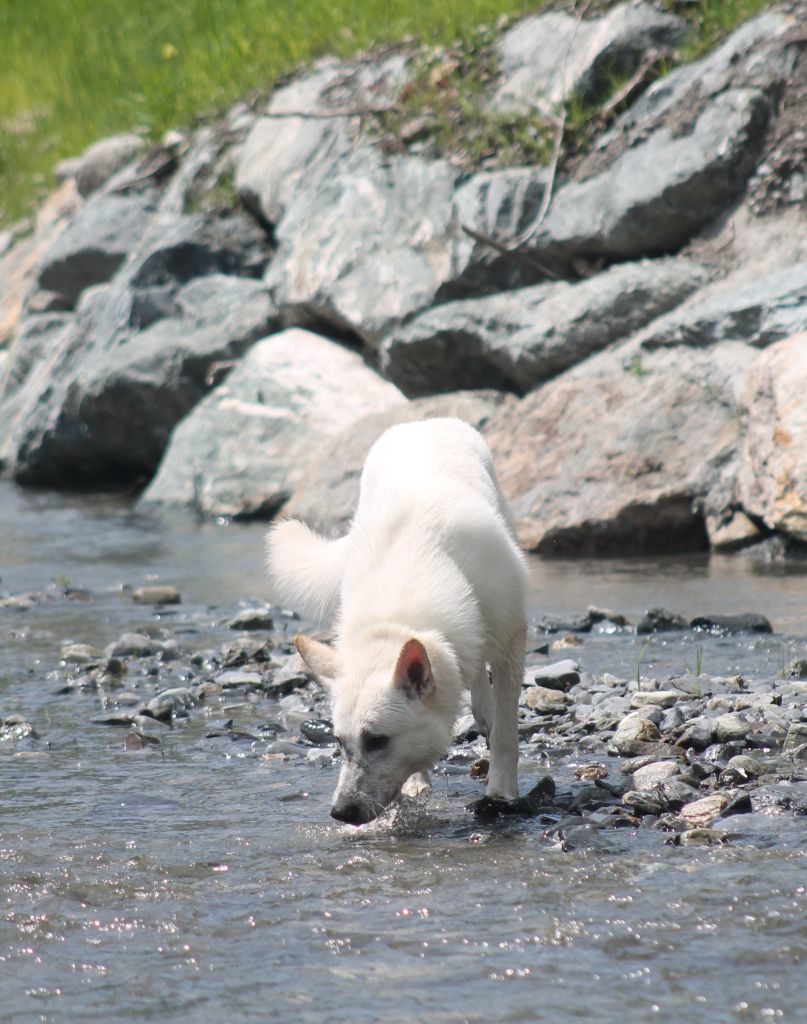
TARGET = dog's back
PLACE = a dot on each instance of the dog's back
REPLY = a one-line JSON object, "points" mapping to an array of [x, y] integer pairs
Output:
{"points": [[430, 527], [432, 534]]}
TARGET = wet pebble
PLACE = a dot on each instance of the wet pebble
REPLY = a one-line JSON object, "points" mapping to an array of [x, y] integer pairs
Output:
{"points": [[591, 772], [750, 622], [14, 728], [698, 735], [642, 803], [290, 676], [659, 620], [652, 775], [676, 793], [232, 678], [252, 618], [654, 698], [245, 649], [156, 594], [634, 730], [745, 766], [700, 837], [23, 602], [705, 810], [562, 675], [319, 731], [731, 728], [171, 702], [81, 654], [796, 735], [133, 645], [545, 701]]}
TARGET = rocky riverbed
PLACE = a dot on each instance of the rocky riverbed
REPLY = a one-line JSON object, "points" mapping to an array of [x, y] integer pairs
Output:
{"points": [[623, 718], [165, 845]]}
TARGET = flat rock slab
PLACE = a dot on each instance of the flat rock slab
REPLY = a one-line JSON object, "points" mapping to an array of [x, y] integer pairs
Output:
{"points": [[245, 446], [658, 194], [518, 339], [615, 454], [760, 313], [328, 490]]}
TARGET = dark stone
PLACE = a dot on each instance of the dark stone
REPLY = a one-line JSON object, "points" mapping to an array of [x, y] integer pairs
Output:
{"points": [[659, 620], [750, 622], [318, 732], [489, 808], [739, 805]]}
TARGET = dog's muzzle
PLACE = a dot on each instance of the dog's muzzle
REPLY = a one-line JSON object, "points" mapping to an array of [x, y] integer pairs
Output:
{"points": [[352, 813]]}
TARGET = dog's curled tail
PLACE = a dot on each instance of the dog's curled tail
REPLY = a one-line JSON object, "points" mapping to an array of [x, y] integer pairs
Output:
{"points": [[306, 569]]}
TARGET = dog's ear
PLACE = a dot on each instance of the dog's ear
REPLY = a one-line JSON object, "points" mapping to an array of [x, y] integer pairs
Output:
{"points": [[320, 658], [413, 672]]}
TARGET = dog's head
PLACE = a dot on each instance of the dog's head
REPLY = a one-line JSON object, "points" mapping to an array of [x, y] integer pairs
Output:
{"points": [[386, 717]]}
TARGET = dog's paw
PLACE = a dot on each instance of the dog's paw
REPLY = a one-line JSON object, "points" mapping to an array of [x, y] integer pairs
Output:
{"points": [[491, 807], [417, 785]]}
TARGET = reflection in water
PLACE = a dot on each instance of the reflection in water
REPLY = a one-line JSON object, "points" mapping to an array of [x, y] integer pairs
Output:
{"points": [[101, 541]]}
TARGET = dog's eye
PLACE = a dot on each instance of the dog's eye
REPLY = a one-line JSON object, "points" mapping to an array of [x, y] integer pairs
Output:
{"points": [[373, 742]]}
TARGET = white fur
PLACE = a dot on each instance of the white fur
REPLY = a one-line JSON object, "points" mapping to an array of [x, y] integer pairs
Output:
{"points": [[430, 555]]}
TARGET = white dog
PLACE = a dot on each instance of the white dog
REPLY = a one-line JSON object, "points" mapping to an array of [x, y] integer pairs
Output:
{"points": [[428, 589]]}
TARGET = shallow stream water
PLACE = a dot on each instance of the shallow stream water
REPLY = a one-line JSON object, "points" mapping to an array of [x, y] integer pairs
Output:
{"points": [[203, 881]]}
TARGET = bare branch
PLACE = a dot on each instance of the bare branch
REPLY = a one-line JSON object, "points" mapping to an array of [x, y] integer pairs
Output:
{"points": [[507, 249]]}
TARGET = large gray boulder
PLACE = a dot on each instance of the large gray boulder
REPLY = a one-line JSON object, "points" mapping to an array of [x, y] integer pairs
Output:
{"points": [[366, 248], [772, 475], [98, 240], [757, 55], [678, 158], [549, 58], [245, 447], [759, 312], [658, 194], [515, 340], [96, 396], [328, 491], [291, 148], [620, 453]]}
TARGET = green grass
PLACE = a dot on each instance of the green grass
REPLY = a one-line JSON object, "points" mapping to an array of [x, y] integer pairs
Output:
{"points": [[444, 109], [73, 71]]}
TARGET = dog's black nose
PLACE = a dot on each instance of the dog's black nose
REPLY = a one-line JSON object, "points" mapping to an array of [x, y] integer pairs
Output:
{"points": [[350, 813]]}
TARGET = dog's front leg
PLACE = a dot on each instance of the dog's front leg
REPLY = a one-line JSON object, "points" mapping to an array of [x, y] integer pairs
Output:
{"points": [[507, 669], [417, 785]]}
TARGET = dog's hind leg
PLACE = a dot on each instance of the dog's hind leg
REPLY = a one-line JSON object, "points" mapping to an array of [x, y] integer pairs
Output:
{"points": [[417, 785], [507, 667]]}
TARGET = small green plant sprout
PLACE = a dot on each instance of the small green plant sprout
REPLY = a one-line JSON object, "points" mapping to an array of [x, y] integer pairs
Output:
{"points": [[61, 581], [636, 368], [639, 662]]}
